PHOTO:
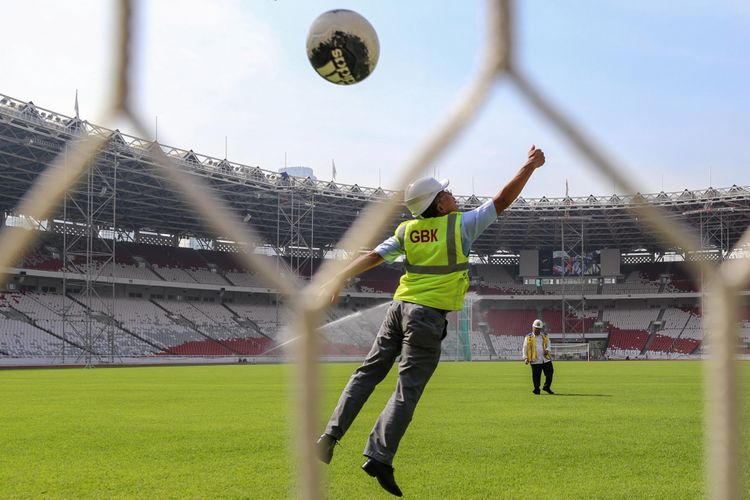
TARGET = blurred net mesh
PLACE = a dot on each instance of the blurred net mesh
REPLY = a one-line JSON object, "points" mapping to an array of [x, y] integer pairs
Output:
{"points": [[308, 303]]}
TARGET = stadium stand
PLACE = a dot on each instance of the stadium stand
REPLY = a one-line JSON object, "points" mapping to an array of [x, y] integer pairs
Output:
{"points": [[497, 280], [174, 274], [635, 282], [243, 279], [265, 318], [679, 281], [34, 324], [628, 330], [353, 333], [201, 325], [507, 346], [199, 300], [510, 321], [681, 332]]}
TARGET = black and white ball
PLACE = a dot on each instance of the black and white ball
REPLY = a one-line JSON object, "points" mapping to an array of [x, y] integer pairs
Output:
{"points": [[342, 47]]}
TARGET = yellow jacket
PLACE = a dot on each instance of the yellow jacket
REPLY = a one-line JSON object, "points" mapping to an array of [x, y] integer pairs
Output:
{"points": [[531, 346]]}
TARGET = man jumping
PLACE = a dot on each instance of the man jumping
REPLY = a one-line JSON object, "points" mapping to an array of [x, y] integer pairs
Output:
{"points": [[436, 246]]}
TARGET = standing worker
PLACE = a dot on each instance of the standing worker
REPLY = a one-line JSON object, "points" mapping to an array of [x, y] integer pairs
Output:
{"points": [[436, 246], [536, 352]]}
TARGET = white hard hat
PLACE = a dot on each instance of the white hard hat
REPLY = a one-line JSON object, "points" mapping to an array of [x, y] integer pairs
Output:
{"points": [[537, 324], [420, 194]]}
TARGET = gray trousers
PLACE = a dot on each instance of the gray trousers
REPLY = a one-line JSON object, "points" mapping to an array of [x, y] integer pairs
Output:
{"points": [[415, 332]]}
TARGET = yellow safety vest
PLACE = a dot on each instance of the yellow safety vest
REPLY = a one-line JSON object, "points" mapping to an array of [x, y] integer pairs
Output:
{"points": [[437, 271], [531, 346]]}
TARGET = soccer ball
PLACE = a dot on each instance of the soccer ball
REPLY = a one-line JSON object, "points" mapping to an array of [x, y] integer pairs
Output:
{"points": [[342, 47]]}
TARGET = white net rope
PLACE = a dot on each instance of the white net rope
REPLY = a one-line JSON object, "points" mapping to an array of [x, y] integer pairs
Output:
{"points": [[308, 303]]}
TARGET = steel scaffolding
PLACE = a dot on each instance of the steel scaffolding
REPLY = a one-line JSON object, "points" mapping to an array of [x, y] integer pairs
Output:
{"points": [[89, 262]]}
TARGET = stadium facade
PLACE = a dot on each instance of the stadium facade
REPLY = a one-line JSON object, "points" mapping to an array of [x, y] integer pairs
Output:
{"points": [[110, 278]]}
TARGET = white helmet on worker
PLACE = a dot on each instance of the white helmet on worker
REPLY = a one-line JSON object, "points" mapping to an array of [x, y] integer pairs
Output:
{"points": [[537, 324], [420, 194]]}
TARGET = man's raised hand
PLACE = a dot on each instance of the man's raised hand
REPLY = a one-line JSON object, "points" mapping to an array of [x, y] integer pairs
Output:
{"points": [[536, 157]]}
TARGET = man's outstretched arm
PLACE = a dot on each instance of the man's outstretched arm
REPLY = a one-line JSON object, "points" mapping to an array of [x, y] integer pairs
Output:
{"points": [[513, 188], [359, 265]]}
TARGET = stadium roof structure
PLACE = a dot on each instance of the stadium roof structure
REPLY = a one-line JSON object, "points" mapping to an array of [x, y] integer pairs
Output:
{"points": [[280, 206]]}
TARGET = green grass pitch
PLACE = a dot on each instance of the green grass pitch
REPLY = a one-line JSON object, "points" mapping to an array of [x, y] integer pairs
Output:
{"points": [[615, 430]]}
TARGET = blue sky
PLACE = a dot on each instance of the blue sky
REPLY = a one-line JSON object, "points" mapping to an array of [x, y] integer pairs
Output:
{"points": [[661, 87]]}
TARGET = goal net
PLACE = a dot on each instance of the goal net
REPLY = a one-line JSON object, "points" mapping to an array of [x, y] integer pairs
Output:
{"points": [[571, 351]]}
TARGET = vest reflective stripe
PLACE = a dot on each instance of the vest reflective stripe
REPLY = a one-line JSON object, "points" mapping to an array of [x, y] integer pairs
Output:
{"points": [[436, 269], [400, 234], [452, 241]]}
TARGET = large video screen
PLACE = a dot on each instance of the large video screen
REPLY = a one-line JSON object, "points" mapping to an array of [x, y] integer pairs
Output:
{"points": [[561, 263]]}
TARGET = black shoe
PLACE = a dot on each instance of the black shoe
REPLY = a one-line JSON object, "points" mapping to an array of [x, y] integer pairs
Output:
{"points": [[384, 475], [324, 448], [536, 391], [547, 390]]}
